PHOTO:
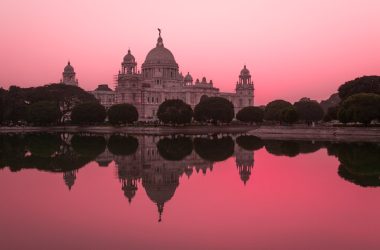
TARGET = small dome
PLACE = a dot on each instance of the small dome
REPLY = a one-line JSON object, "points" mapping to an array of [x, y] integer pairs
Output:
{"points": [[129, 58], [68, 68], [245, 72], [188, 78]]}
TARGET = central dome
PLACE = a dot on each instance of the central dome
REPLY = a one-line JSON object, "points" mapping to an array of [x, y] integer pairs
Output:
{"points": [[160, 56]]}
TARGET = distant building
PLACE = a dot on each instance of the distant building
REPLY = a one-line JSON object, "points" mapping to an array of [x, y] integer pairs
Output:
{"points": [[105, 95], [160, 80], [68, 75]]}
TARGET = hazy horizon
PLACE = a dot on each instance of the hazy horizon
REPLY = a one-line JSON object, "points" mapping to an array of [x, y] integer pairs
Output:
{"points": [[293, 49]]}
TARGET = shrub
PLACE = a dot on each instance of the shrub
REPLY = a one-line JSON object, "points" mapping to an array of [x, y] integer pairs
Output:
{"points": [[175, 112], [250, 114], [85, 113], [214, 109], [122, 114], [309, 111], [274, 109]]}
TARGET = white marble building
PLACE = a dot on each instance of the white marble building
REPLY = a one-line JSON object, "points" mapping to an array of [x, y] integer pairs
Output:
{"points": [[160, 79]]}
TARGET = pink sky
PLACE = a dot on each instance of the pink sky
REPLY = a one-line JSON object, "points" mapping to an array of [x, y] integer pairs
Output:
{"points": [[293, 48]]}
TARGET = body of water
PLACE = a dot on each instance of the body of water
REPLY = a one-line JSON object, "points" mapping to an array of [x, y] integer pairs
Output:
{"points": [[83, 191]]}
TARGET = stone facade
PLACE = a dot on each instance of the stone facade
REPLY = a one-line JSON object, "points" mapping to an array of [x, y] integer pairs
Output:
{"points": [[160, 80]]}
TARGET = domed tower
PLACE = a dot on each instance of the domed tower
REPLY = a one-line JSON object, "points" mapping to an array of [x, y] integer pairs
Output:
{"points": [[159, 64], [244, 89], [68, 75], [129, 65], [188, 80]]}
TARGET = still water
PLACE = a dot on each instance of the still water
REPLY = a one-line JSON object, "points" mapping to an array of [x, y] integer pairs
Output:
{"points": [[64, 191]]}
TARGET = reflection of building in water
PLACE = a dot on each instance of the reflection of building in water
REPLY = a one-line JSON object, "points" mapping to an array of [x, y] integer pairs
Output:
{"points": [[69, 178], [244, 162], [159, 177]]}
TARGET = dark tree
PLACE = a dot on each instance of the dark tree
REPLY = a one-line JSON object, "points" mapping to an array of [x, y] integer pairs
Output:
{"points": [[249, 142], [250, 114], [122, 114], [361, 108], [289, 115], [332, 114], [88, 113], [309, 111], [44, 113], [214, 149], [122, 145], [273, 111], [365, 84], [175, 149], [214, 109], [175, 112]]}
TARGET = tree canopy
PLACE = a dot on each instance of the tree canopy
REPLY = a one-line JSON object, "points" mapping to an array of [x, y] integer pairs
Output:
{"points": [[87, 113], [273, 110], [361, 108], [309, 110], [43, 113], [214, 109], [289, 115], [175, 111], [365, 84], [250, 114], [122, 114], [16, 100]]}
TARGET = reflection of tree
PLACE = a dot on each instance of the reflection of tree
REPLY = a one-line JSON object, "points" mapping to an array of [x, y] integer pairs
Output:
{"points": [[44, 145], [214, 149], [122, 145], [48, 152], [360, 162], [249, 142], [282, 148], [88, 146], [307, 147], [175, 149]]}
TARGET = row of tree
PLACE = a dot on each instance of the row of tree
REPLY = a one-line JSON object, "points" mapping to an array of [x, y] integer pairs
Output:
{"points": [[57, 103]]}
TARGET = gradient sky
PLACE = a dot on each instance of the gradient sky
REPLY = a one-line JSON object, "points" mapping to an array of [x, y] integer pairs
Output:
{"points": [[293, 48]]}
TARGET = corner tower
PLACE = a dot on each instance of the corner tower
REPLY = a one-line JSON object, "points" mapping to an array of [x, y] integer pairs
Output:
{"points": [[245, 89], [68, 75]]}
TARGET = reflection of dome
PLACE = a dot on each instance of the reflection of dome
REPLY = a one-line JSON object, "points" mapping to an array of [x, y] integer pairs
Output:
{"points": [[69, 68], [245, 72], [188, 78], [129, 58], [160, 192], [160, 55]]}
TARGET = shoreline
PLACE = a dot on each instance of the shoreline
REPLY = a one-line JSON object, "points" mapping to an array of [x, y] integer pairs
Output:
{"points": [[265, 132]]}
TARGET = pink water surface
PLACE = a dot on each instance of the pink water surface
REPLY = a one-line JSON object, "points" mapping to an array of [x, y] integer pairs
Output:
{"points": [[288, 203]]}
